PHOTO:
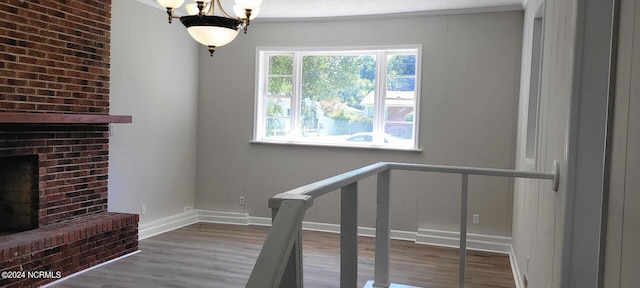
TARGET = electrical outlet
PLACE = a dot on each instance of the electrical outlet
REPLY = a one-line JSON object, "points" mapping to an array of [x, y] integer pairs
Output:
{"points": [[476, 219], [143, 209], [241, 200], [188, 209]]}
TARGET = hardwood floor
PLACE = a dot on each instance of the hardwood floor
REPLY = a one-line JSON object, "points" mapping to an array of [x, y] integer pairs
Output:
{"points": [[218, 255]]}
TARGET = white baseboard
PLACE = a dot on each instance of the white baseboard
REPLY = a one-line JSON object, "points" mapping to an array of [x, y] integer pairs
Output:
{"points": [[480, 242], [362, 231], [166, 224], [207, 216], [515, 269], [260, 221]]}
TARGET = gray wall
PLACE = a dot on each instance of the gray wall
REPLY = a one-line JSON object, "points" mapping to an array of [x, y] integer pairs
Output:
{"points": [[154, 79], [623, 234], [470, 84]]}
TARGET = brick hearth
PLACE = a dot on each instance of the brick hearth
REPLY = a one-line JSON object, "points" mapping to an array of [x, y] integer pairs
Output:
{"points": [[54, 58], [67, 247]]}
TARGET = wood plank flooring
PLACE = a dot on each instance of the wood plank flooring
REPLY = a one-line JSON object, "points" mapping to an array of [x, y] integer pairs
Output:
{"points": [[219, 255]]}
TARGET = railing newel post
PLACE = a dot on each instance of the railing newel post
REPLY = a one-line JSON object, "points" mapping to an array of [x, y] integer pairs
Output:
{"points": [[349, 236], [279, 264], [463, 230], [292, 275], [381, 270]]}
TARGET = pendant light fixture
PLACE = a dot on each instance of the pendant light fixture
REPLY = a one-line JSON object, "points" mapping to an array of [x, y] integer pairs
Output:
{"points": [[210, 28]]}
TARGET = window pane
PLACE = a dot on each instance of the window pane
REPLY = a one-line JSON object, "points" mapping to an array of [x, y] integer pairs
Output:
{"points": [[280, 86], [280, 65], [399, 114], [400, 99], [278, 112], [399, 106], [404, 65], [330, 97], [277, 126], [278, 107], [401, 84], [310, 121], [334, 88], [400, 132]]}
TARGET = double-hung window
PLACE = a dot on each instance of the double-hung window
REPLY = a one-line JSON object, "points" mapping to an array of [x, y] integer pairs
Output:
{"points": [[338, 97]]}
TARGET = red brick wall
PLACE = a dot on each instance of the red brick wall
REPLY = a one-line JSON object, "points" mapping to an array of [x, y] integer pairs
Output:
{"points": [[73, 166], [54, 56]]}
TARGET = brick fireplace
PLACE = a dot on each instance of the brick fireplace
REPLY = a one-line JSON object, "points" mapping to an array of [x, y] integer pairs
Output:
{"points": [[18, 194], [54, 140]]}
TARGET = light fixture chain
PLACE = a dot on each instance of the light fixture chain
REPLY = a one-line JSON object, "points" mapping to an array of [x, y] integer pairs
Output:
{"points": [[224, 13]]}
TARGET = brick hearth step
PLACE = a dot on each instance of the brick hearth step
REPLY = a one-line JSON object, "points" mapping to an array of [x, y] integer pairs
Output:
{"points": [[67, 247]]}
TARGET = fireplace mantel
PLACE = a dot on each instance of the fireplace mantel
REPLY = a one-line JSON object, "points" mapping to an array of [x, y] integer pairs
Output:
{"points": [[59, 118]]}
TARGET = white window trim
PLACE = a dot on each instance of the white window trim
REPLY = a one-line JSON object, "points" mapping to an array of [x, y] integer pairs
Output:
{"points": [[380, 97]]}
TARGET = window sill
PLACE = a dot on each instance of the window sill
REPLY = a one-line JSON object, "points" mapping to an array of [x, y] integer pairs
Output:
{"points": [[334, 145]]}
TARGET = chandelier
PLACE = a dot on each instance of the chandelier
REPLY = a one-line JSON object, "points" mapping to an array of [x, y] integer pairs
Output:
{"points": [[213, 30]]}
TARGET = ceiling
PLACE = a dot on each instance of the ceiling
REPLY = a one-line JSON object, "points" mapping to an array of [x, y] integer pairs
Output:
{"points": [[279, 9], [341, 8]]}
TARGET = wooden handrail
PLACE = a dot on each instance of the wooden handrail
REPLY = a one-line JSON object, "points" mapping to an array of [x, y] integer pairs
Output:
{"points": [[327, 185], [281, 253]]}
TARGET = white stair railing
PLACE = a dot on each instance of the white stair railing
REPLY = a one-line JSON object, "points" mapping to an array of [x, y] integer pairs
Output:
{"points": [[280, 261]]}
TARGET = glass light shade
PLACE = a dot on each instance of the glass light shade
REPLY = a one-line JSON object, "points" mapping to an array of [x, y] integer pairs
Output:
{"points": [[249, 4], [170, 3], [192, 9], [212, 35], [241, 14]]}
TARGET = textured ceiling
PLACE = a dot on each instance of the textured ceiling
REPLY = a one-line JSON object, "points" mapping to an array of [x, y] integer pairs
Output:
{"points": [[345, 8]]}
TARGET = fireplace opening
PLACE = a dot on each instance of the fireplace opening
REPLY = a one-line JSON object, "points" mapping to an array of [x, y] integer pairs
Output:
{"points": [[18, 194]]}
